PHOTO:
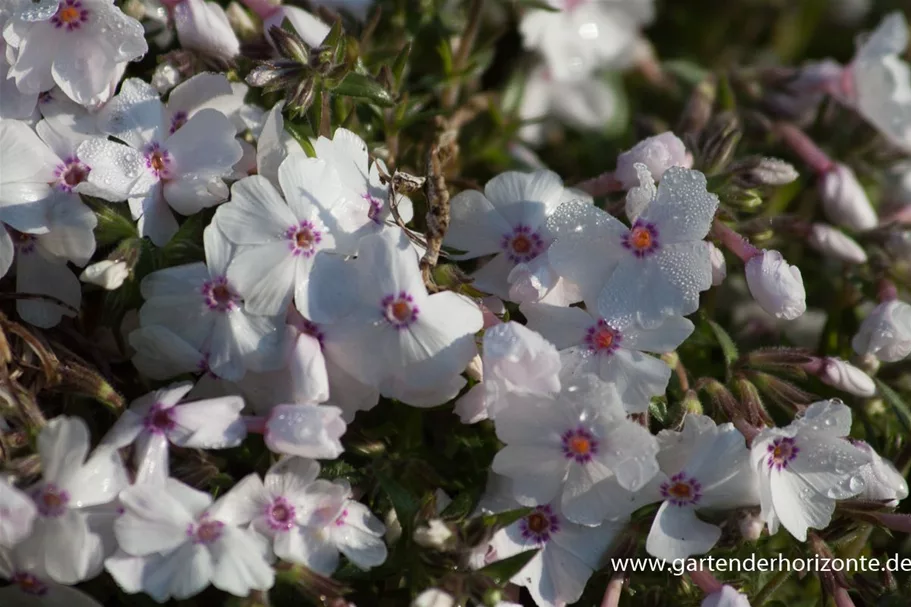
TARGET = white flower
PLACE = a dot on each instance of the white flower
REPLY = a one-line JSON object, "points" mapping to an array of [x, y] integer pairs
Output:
{"points": [[203, 26], [844, 200], [308, 27], [580, 37], [66, 541], [776, 285], [719, 266], [584, 103], [174, 542], [834, 243], [156, 169], [568, 553], [18, 512], [28, 170], [378, 303], [845, 376], [804, 467], [308, 520], [611, 347], [14, 104], [653, 270], [878, 83], [886, 332], [206, 90], [657, 153], [278, 240], [78, 48], [882, 482], [198, 303], [433, 597], [367, 198], [508, 219], [162, 354], [107, 274], [273, 145], [726, 597], [704, 467], [435, 534], [307, 430], [159, 418], [573, 448], [516, 360], [28, 589]]}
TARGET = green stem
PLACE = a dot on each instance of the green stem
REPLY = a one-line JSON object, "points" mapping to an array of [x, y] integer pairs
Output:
{"points": [[770, 588]]}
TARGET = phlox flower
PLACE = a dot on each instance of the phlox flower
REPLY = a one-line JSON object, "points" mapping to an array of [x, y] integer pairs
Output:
{"points": [[882, 481], [278, 237], [508, 219], [805, 466], [308, 27], [78, 47], [310, 521], [155, 169], [657, 153], [204, 27], [273, 144], [569, 448], [612, 347], [159, 418], [384, 325], [581, 36], [205, 90], [776, 285], [198, 303], [14, 104], [652, 270], [703, 467], [367, 196], [66, 543], [886, 332], [174, 542], [568, 553], [28, 589], [305, 430], [515, 360], [17, 514]]}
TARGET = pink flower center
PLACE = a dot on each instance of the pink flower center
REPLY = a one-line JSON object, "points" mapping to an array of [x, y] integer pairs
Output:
{"points": [[540, 525], [304, 238], [376, 208], [70, 15], [579, 445], [29, 584], [158, 161], [206, 532], [280, 515], [642, 239], [51, 500], [601, 338], [219, 296], [681, 490], [70, 174], [340, 521], [781, 453], [159, 419], [400, 310], [522, 245]]}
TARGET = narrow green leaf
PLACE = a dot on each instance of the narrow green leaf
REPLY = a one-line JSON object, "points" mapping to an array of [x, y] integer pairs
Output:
{"points": [[364, 87], [401, 61], [505, 519], [406, 504], [728, 347], [504, 570], [896, 402]]}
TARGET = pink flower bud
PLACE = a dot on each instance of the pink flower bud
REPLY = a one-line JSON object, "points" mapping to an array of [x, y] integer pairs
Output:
{"points": [[844, 200], [776, 286], [845, 376], [834, 243], [204, 26], [750, 525], [658, 153], [886, 332]]}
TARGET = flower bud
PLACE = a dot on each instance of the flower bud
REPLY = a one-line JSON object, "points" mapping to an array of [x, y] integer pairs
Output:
{"points": [[434, 597], [436, 534], [845, 376], [834, 243], [719, 267], [240, 21], [844, 200], [886, 332], [658, 153], [165, 77], [691, 404], [776, 286], [107, 274], [755, 172], [750, 524], [203, 26], [475, 369], [393, 527], [882, 482]]}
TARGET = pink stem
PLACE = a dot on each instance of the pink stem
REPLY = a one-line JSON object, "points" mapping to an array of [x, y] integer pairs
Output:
{"points": [[600, 185], [256, 424], [804, 147], [707, 582], [815, 366], [734, 242], [614, 589], [842, 598], [263, 8], [895, 522], [887, 291], [902, 216], [748, 430]]}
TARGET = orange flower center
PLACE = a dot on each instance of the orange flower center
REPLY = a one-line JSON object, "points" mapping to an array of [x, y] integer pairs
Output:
{"points": [[580, 445], [304, 238], [157, 162], [641, 238], [401, 311], [521, 244], [604, 339], [69, 14], [681, 490], [537, 522]]}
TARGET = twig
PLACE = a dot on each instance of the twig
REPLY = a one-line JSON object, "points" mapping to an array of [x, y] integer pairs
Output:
{"points": [[437, 195]]}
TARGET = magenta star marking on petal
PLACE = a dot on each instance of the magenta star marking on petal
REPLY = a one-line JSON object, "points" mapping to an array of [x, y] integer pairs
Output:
{"points": [[781, 453], [601, 338], [400, 310], [303, 238], [681, 490], [642, 239], [540, 525], [70, 174], [70, 15], [219, 295], [51, 501], [280, 515], [579, 444], [522, 244]]}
